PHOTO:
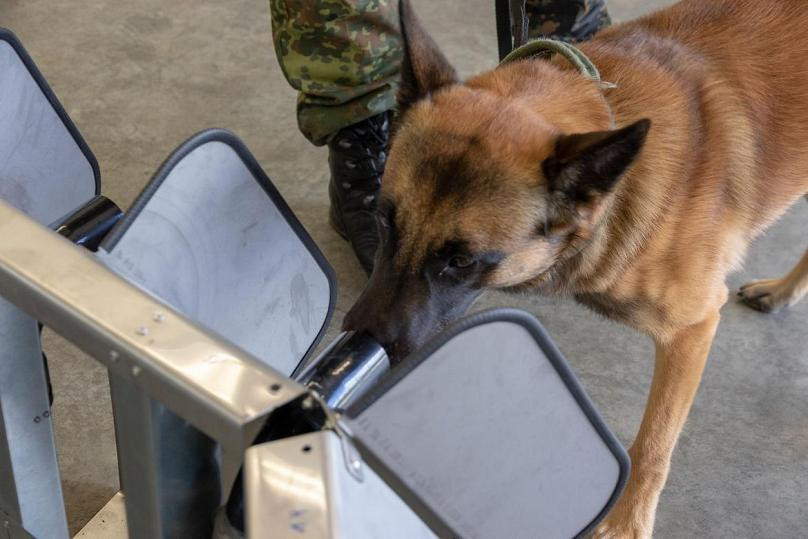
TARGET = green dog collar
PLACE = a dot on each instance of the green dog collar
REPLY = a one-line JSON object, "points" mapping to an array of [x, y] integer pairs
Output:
{"points": [[548, 47]]}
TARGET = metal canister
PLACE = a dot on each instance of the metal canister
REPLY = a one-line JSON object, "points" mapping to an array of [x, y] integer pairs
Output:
{"points": [[346, 370]]}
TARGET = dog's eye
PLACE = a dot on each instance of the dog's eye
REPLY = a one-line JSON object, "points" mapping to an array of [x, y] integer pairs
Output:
{"points": [[382, 220], [461, 261]]}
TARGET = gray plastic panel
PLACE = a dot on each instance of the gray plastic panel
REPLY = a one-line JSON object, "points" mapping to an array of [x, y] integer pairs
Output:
{"points": [[46, 169], [487, 434], [211, 236], [30, 490]]}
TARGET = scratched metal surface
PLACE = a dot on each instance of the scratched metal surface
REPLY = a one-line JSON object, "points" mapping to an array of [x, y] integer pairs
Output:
{"points": [[42, 170], [212, 243]]}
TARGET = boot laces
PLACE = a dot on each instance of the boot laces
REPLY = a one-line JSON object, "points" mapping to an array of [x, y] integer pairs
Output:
{"points": [[365, 145]]}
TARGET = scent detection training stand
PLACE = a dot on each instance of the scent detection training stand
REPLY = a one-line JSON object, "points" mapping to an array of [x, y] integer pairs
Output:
{"points": [[205, 301]]}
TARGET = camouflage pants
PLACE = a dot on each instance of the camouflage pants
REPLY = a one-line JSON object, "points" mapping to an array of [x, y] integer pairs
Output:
{"points": [[343, 56]]}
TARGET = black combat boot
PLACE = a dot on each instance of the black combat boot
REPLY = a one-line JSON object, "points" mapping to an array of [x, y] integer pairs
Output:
{"points": [[356, 156], [568, 20]]}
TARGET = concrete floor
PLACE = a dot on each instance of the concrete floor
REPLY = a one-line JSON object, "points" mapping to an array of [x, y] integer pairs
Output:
{"points": [[140, 77]]}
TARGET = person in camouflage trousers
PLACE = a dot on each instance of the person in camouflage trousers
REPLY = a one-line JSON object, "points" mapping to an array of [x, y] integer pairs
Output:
{"points": [[343, 56]]}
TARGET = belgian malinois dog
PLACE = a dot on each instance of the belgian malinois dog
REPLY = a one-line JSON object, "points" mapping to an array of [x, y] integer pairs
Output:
{"points": [[636, 200]]}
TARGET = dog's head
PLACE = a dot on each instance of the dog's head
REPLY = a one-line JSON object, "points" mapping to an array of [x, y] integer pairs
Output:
{"points": [[489, 184]]}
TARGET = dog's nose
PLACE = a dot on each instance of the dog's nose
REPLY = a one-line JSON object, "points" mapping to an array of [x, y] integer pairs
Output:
{"points": [[381, 324], [361, 320], [393, 309]]}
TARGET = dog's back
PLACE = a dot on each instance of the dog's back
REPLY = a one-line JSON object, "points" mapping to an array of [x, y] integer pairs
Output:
{"points": [[736, 69], [725, 87]]}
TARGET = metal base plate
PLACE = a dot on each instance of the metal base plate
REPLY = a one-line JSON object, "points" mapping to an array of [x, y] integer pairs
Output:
{"points": [[108, 523]]}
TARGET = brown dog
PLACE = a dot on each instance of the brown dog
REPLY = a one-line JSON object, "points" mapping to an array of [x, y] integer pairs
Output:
{"points": [[517, 179]]}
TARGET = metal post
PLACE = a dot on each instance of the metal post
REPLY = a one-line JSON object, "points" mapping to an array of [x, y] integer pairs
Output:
{"points": [[504, 30], [169, 469], [512, 25], [30, 491]]}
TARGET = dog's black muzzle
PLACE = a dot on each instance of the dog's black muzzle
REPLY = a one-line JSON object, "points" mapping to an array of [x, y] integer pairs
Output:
{"points": [[403, 310]]}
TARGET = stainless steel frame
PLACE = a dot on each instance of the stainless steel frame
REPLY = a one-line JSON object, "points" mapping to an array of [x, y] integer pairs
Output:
{"points": [[218, 388], [211, 236]]}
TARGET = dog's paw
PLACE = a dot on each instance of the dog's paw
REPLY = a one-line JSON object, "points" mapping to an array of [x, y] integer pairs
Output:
{"points": [[617, 530], [632, 517], [613, 529], [767, 296]]}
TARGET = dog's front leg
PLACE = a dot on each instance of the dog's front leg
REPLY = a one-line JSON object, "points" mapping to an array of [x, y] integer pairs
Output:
{"points": [[680, 360]]}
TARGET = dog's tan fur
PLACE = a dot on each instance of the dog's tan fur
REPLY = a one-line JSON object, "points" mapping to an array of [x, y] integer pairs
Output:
{"points": [[724, 85]]}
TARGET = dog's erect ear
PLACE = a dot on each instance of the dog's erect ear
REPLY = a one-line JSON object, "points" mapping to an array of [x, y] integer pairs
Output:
{"points": [[585, 166], [424, 69]]}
